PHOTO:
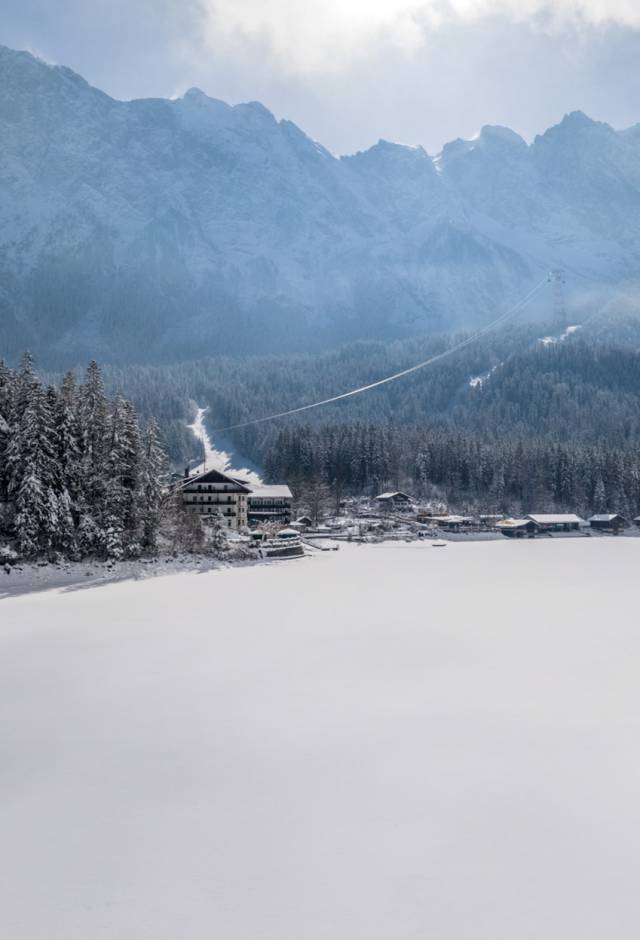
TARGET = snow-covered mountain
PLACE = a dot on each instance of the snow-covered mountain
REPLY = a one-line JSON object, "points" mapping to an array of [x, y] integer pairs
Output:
{"points": [[158, 229]]}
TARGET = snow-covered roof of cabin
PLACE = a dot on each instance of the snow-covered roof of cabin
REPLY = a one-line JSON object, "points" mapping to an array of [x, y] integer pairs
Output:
{"points": [[605, 517], [555, 518], [392, 495], [512, 523], [271, 491]]}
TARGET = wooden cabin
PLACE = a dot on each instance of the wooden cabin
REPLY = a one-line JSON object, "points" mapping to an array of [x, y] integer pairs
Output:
{"points": [[517, 528], [608, 521], [394, 500]]}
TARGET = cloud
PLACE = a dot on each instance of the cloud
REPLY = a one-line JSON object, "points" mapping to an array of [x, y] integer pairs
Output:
{"points": [[308, 36]]}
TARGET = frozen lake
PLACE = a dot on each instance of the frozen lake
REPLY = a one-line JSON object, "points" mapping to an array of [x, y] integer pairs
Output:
{"points": [[380, 743]]}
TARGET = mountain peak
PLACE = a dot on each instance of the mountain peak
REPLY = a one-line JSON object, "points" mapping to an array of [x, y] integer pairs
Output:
{"points": [[577, 119], [575, 122], [498, 134], [194, 94]]}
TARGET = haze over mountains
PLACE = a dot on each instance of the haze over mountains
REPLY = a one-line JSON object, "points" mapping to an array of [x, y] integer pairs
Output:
{"points": [[163, 229]]}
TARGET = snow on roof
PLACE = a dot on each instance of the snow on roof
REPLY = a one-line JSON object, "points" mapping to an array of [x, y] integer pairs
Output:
{"points": [[555, 518], [605, 517], [512, 523], [392, 495], [215, 476], [271, 491]]}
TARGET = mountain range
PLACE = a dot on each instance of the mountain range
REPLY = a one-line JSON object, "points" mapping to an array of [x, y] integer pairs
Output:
{"points": [[156, 229]]}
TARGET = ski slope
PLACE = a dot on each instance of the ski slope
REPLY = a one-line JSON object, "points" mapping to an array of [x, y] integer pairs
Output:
{"points": [[382, 742], [214, 459]]}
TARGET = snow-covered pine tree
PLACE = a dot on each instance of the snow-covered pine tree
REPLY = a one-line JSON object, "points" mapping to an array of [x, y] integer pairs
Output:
{"points": [[68, 437], [131, 448], [33, 467], [152, 484], [120, 520], [93, 434], [112, 517], [7, 388]]}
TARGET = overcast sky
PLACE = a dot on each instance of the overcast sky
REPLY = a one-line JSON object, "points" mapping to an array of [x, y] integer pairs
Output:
{"points": [[352, 71]]}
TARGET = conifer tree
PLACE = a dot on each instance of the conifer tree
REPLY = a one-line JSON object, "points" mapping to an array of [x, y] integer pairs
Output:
{"points": [[32, 456], [92, 417], [152, 480]]}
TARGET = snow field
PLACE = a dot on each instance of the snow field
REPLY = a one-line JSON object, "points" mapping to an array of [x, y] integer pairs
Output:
{"points": [[382, 742]]}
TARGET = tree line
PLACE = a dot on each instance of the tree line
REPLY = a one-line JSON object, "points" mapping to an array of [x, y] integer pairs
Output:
{"points": [[79, 474], [464, 470]]}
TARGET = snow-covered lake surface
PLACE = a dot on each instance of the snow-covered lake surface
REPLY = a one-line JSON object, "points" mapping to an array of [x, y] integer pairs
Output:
{"points": [[381, 743]]}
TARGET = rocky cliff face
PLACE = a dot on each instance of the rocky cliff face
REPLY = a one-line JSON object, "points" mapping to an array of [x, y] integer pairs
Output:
{"points": [[160, 229]]}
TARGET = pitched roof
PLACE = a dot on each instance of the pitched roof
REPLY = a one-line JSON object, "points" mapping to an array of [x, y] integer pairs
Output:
{"points": [[568, 518], [214, 476], [393, 495], [605, 517], [513, 523]]}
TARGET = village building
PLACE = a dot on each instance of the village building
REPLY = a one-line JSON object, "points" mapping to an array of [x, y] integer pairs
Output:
{"points": [[217, 497], [456, 523], [517, 528], [394, 500], [429, 518], [608, 521], [269, 503], [556, 522]]}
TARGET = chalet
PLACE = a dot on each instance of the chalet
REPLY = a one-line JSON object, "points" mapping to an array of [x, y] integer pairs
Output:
{"points": [[395, 500], [556, 522], [608, 521], [269, 504], [517, 528], [216, 496]]}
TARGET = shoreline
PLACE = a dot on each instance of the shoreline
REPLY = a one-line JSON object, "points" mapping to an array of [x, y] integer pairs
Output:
{"points": [[38, 577]]}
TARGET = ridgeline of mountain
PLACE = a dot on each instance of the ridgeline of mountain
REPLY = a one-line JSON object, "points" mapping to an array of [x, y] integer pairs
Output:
{"points": [[154, 230]]}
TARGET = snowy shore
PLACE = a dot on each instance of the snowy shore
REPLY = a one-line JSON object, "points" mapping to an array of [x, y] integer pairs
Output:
{"points": [[28, 578], [386, 741]]}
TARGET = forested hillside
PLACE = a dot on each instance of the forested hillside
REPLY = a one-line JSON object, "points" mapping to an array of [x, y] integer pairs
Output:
{"points": [[581, 389], [504, 422], [508, 422]]}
